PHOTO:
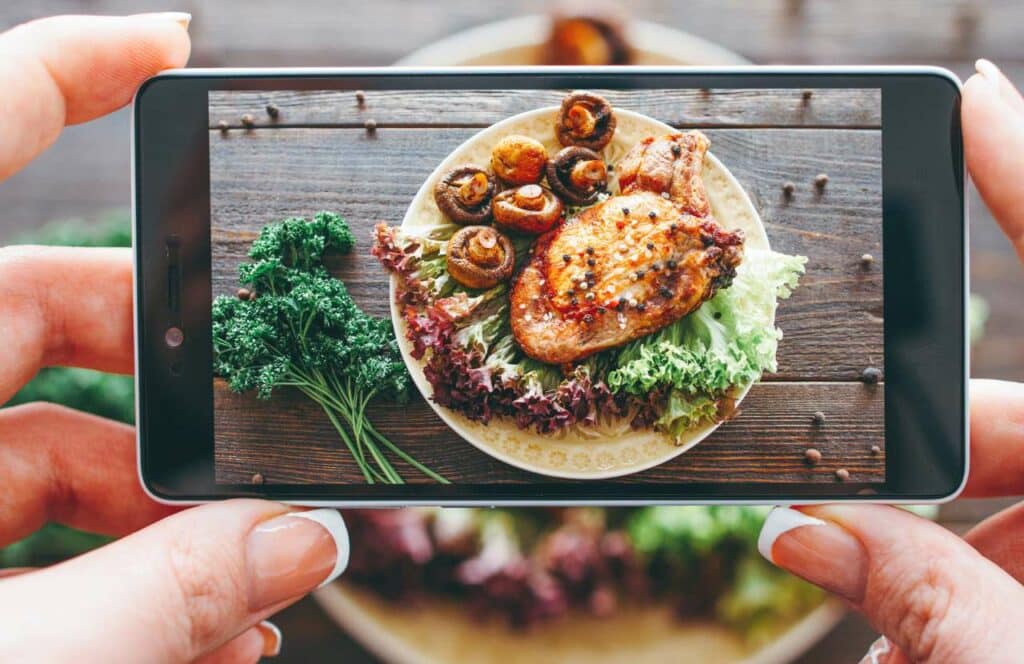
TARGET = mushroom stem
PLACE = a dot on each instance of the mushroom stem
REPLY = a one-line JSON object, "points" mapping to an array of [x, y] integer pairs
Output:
{"points": [[589, 173], [530, 197], [474, 189], [581, 121]]}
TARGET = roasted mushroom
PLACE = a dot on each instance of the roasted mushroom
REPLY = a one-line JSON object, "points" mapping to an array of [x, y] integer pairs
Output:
{"points": [[588, 37], [519, 160], [585, 119], [464, 195], [480, 257], [578, 175], [528, 209]]}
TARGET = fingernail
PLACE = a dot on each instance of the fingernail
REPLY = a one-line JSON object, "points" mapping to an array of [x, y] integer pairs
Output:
{"points": [[818, 551], [294, 553], [878, 653], [271, 634], [988, 71], [181, 18]]}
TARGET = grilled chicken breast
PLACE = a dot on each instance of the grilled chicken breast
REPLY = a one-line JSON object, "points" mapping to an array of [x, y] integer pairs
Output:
{"points": [[630, 265]]}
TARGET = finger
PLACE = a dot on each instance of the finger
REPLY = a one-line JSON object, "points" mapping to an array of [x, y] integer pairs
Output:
{"points": [[70, 69], [997, 439], [1000, 538], [263, 640], [993, 126], [928, 591], [14, 571], [61, 465], [177, 590], [64, 306]]}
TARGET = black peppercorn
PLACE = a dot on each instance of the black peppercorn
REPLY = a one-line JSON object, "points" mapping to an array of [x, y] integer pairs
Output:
{"points": [[591, 262], [665, 292], [223, 126], [273, 110], [876, 450], [370, 125], [257, 478], [821, 180], [842, 474], [244, 293], [676, 149], [818, 418], [625, 211], [871, 375], [717, 315], [360, 98], [588, 318], [641, 307], [788, 188], [671, 264], [652, 214], [806, 95], [248, 121], [812, 456], [566, 258], [620, 305], [650, 245], [640, 274], [590, 250]]}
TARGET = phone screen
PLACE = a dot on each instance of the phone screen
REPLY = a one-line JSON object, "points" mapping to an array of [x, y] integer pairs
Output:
{"points": [[548, 286]]}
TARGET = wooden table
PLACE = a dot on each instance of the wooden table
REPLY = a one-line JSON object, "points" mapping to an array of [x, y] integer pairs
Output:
{"points": [[316, 154], [86, 172]]}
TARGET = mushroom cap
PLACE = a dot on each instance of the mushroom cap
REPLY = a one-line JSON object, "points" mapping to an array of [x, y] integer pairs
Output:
{"points": [[480, 257], [519, 159], [588, 36], [600, 113], [450, 202], [537, 216], [559, 174]]}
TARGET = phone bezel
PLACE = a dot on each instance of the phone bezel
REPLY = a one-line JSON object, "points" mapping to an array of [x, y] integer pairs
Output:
{"points": [[171, 197]]}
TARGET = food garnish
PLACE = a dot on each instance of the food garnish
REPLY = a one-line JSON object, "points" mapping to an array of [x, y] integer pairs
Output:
{"points": [[303, 330], [519, 160], [464, 195], [480, 257], [585, 119], [528, 209], [578, 175]]}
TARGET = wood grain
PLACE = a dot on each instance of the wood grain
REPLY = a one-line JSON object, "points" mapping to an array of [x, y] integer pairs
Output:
{"points": [[269, 174], [293, 442], [857, 107]]}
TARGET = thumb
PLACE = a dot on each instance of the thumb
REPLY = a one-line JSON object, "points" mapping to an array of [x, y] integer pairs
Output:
{"points": [[924, 588], [174, 591]]}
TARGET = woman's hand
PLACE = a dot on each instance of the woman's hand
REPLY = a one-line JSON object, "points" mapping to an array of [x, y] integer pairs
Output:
{"points": [[195, 584], [936, 597]]}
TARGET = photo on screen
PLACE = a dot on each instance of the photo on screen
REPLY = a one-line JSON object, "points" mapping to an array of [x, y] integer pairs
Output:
{"points": [[547, 286]]}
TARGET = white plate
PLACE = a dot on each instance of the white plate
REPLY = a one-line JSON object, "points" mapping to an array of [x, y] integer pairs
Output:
{"points": [[595, 452], [430, 631]]}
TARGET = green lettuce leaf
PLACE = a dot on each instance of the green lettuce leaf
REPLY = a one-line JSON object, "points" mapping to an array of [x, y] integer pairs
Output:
{"points": [[727, 343]]}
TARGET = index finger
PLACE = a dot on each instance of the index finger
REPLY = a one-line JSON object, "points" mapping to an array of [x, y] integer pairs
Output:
{"points": [[993, 124], [70, 69]]}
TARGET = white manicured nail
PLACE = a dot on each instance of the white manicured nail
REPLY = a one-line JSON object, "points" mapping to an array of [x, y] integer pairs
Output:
{"points": [[781, 520], [271, 634], [332, 522]]}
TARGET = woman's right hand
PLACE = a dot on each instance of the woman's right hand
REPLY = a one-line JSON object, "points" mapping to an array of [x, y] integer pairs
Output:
{"points": [[933, 596]]}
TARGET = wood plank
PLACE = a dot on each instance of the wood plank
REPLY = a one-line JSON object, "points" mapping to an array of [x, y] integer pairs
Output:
{"points": [[833, 322], [289, 440], [857, 107]]}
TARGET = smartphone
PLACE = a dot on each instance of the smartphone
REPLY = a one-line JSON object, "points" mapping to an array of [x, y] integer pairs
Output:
{"points": [[386, 287]]}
